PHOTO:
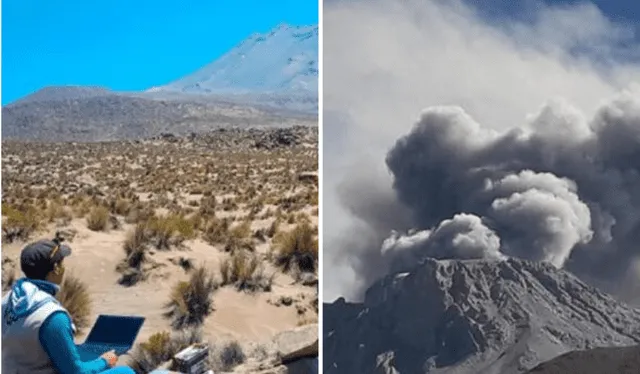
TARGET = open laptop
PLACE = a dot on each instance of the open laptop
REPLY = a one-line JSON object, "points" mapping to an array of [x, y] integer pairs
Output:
{"points": [[117, 333]]}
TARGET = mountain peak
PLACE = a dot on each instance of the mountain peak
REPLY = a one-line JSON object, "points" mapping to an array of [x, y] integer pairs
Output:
{"points": [[473, 316], [281, 62]]}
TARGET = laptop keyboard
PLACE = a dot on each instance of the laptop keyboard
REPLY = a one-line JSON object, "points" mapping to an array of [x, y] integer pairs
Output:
{"points": [[96, 350]]}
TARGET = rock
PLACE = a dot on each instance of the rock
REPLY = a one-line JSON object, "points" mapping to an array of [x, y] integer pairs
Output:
{"points": [[269, 365], [308, 279], [303, 366], [168, 137], [68, 234], [281, 369], [301, 309], [308, 176], [297, 343], [619, 360], [282, 300]]}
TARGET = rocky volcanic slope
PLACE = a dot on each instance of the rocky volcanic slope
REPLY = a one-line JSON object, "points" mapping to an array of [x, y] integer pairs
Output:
{"points": [[463, 317], [283, 60], [618, 360], [117, 117]]}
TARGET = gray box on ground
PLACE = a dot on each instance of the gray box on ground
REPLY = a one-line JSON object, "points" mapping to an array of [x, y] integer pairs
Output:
{"points": [[192, 360]]}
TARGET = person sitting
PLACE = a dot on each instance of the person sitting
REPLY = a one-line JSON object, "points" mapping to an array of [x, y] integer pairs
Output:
{"points": [[37, 331]]}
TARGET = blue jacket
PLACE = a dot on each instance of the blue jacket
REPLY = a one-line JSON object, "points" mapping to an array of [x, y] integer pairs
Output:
{"points": [[56, 332]]}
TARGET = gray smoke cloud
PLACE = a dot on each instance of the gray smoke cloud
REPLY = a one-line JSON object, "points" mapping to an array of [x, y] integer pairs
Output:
{"points": [[463, 237], [478, 175]]}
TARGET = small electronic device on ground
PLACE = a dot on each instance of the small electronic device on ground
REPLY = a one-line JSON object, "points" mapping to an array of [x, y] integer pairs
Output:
{"points": [[192, 360]]}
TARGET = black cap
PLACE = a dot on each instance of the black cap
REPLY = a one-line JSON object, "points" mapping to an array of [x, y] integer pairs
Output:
{"points": [[37, 259]]}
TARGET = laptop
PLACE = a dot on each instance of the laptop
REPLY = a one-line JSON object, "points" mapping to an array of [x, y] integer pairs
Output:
{"points": [[110, 333]]}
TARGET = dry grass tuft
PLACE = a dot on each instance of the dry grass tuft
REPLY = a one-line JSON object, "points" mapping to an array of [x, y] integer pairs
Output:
{"points": [[75, 298], [297, 250], [217, 231], [225, 356], [98, 219], [190, 302], [170, 231], [19, 224], [244, 271], [160, 348]]}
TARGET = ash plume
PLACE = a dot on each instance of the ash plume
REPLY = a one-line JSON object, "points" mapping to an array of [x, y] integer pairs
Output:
{"points": [[561, 190], [478, 175]]}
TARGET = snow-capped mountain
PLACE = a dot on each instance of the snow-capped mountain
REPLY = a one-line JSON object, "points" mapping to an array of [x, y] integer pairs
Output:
{"points": [[472, 317], [279, 67]]}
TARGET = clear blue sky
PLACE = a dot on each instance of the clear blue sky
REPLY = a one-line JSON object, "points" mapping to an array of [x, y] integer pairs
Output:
{"points": [[127, 44]]}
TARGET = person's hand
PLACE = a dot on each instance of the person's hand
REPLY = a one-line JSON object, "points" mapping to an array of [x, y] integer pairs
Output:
{"points": [[111, 358]]}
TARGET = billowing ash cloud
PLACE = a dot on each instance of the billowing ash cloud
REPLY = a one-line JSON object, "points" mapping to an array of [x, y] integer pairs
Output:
{"points": [[478, 175], [448, 164], [463, 237], [562, 190]]}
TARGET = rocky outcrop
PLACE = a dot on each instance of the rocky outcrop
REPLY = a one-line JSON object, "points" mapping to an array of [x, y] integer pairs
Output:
{"points": [[619, 360], [295, 352], [300, 342], [463, 317]]}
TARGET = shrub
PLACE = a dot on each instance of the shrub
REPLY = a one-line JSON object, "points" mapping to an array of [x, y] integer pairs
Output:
{"points": [[208, 206], [170, 231], [307, 320], [135, 249], [234, 244], [8, 273], [57, 213], [136, 240], [131, 276], [19, 224], [297, 249], [158, 345], [138, 213], [273, 229], [243, 271], [75, 298], [98, 219], [226, 356], [160, 348], [242, 230], [190, 302], [121, 207], [217, 231]]}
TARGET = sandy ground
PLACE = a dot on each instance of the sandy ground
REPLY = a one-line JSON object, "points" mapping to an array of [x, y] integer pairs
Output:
{"points": [[236, 315]]}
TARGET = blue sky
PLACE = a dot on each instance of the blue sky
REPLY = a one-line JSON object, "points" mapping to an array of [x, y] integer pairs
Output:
{"points": [[621, 10], [127, 44]]}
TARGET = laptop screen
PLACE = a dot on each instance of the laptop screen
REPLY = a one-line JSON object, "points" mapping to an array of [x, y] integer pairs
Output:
{"points": [[117, 330]]}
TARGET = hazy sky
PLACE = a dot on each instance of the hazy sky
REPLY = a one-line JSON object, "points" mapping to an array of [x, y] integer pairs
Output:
{"points": [[127, 45]]}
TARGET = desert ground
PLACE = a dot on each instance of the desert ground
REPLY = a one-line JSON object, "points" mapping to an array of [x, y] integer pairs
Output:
{"points": [[215, 234]]}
